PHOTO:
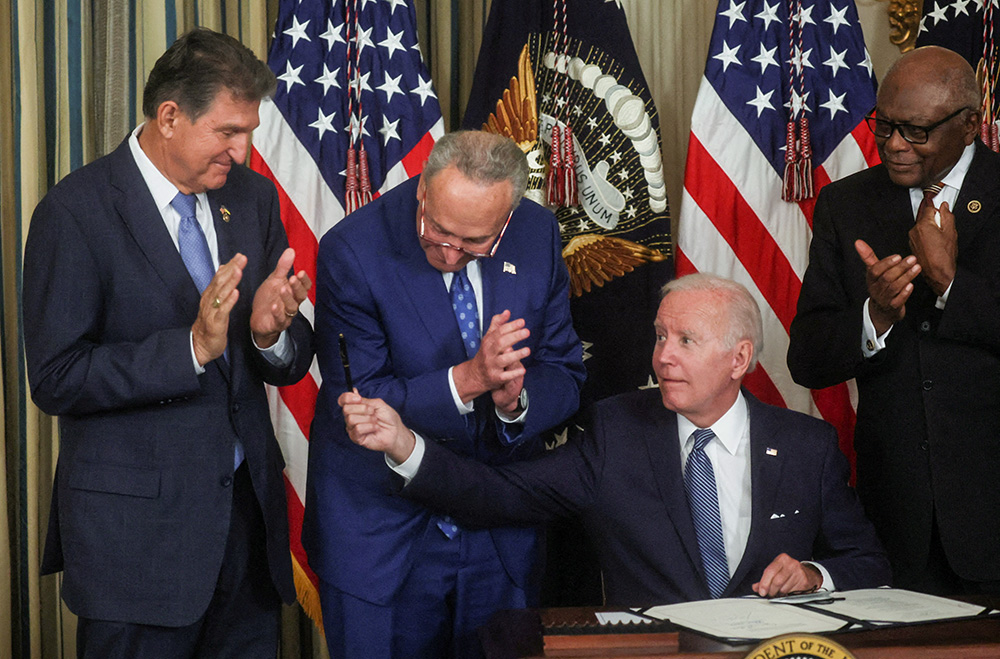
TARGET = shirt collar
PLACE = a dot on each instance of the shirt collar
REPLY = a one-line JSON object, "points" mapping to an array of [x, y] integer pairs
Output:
{"points": [[956, 176], [160, 187], [730, 429]]}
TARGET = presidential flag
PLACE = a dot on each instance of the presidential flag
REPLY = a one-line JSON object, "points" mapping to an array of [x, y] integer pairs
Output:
{"points": [[546, 66], [354, 114], [785, 91], [969, 27]]}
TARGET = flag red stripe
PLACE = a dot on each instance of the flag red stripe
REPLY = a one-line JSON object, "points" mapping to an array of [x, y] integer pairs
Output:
{"points": [[866, 142], [834, 403], [295, 514], [682, 264], [300, 235], [721, 201], [300, 399], [413, 162], [759, 383]]}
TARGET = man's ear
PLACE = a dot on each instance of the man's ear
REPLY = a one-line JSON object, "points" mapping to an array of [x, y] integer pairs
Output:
{"points": [[742, 356], [167, 116], [972, 123]]}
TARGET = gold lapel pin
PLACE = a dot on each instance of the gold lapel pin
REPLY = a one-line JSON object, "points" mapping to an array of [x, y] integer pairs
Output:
{"points": [[974, 206], [226, 215]]}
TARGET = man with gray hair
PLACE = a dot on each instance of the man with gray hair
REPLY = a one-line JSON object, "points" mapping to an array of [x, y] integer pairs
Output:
{"points": [[452, 299], [691, 491]]}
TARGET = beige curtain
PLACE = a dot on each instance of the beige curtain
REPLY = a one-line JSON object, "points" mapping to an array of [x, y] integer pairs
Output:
{"points": [[98, 54]]}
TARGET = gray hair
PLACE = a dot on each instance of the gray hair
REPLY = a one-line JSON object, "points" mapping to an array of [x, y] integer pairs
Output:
{"points": [[743, 313], [482, 157], [197, 66]]}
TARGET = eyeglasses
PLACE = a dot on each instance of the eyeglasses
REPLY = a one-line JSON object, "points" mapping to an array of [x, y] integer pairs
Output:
{"points": [[473, 254], [883, 128]]}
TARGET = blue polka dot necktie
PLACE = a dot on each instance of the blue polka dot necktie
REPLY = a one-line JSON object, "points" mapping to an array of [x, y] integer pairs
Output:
{"points": [[463, 302], [703, 499]]}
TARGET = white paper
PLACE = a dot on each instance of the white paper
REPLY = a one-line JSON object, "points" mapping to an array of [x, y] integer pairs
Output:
{"points": [[744, 618], [892, 605]]}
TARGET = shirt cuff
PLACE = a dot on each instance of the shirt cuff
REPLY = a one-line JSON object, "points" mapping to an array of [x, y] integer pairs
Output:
{"points": [[870, 342], [198, 368], [827, 579], [463, 408], [280, 354], [943, 299], [520, 417], [409, 467]]}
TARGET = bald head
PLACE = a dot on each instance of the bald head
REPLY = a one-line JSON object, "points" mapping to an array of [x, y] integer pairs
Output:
{"points": [[935, 70], [928, 87]]}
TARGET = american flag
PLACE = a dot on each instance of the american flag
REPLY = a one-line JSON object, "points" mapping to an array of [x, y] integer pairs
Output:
{"points": [[302, 145], [733, 221]]}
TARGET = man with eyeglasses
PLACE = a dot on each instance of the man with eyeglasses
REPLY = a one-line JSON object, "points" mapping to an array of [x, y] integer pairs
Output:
{"points": [[453, 300], [902, 293]]}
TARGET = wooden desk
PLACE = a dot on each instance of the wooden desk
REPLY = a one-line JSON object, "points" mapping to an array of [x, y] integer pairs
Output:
{"points": [[520, 635]]}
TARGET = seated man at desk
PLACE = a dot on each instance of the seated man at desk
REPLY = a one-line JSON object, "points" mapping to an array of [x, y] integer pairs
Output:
{"points": [[696, 490]]}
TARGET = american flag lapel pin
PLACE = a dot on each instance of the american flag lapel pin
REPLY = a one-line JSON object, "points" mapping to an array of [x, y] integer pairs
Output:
{"points": [[226, 215], [771, 451], [509, 267]]}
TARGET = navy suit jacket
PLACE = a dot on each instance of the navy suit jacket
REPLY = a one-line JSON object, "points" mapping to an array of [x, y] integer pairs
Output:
{"points": [[143, 489], [623, 478], [928, 428], [375, 285]]}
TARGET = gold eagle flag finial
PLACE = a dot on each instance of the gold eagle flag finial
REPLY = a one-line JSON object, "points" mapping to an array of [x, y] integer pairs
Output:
{"points": [[516, 115]]}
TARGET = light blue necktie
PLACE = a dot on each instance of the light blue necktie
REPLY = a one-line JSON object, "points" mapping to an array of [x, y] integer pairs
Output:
{"points": [[463, 302], [191, 242], [198, 260], [703, 499]]}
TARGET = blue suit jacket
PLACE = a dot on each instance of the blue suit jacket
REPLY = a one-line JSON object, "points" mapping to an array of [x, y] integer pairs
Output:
{"points": [[143, 489], [374, 285], [623, 478]]}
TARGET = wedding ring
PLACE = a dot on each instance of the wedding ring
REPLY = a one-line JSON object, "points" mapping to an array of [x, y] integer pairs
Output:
{"points": [[291, 315], [216, 302]]}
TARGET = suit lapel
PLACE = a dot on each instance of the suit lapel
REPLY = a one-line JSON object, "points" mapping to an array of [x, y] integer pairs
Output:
{"points": [[766, 460], [971, 198], [137, 210], [227, 245], [663, 450]]}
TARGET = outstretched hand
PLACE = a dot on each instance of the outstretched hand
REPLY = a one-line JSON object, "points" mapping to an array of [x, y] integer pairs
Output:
{"points": [[373, 424]]}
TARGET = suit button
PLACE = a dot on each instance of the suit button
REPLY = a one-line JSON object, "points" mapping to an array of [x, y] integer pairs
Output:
{"points": [[925, 326], [927, 384], [226, 481], [924, 445], [235, 408]]}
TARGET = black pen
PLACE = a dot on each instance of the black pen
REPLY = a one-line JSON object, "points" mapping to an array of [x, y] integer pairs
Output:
{"points": [[347, 363]]}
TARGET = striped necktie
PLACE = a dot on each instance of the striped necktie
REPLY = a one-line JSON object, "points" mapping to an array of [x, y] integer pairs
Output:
{"points": [[703, 500]]}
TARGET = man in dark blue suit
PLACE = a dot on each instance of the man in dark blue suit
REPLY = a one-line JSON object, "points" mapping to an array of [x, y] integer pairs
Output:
{"points": [[412, 281], [693, 491], [168, 511]]}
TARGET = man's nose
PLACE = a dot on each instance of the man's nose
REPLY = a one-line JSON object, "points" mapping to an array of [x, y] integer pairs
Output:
{"points": [[239, 147]]}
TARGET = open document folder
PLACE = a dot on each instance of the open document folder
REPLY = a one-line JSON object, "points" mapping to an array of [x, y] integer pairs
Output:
{"points": [[754, 619]]}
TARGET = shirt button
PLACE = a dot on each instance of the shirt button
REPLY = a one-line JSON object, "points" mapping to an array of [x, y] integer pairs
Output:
{"points": [[925, 326], [226, 481], [927, 384]]}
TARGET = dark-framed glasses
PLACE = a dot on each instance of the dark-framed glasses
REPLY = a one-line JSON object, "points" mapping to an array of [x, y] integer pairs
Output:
{"points": [[474, 254], [883, 128]]}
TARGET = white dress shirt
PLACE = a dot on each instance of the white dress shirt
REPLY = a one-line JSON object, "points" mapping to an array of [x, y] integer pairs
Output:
{"points": [[951, 184], [730, 456]]}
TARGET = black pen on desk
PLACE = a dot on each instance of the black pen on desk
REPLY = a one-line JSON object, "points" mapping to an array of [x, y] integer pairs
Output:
{"points": [[346, 362]]}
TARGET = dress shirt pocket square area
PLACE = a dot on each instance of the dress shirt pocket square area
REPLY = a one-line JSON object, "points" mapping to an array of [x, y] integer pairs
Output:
{"points": [[783, 515]]}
